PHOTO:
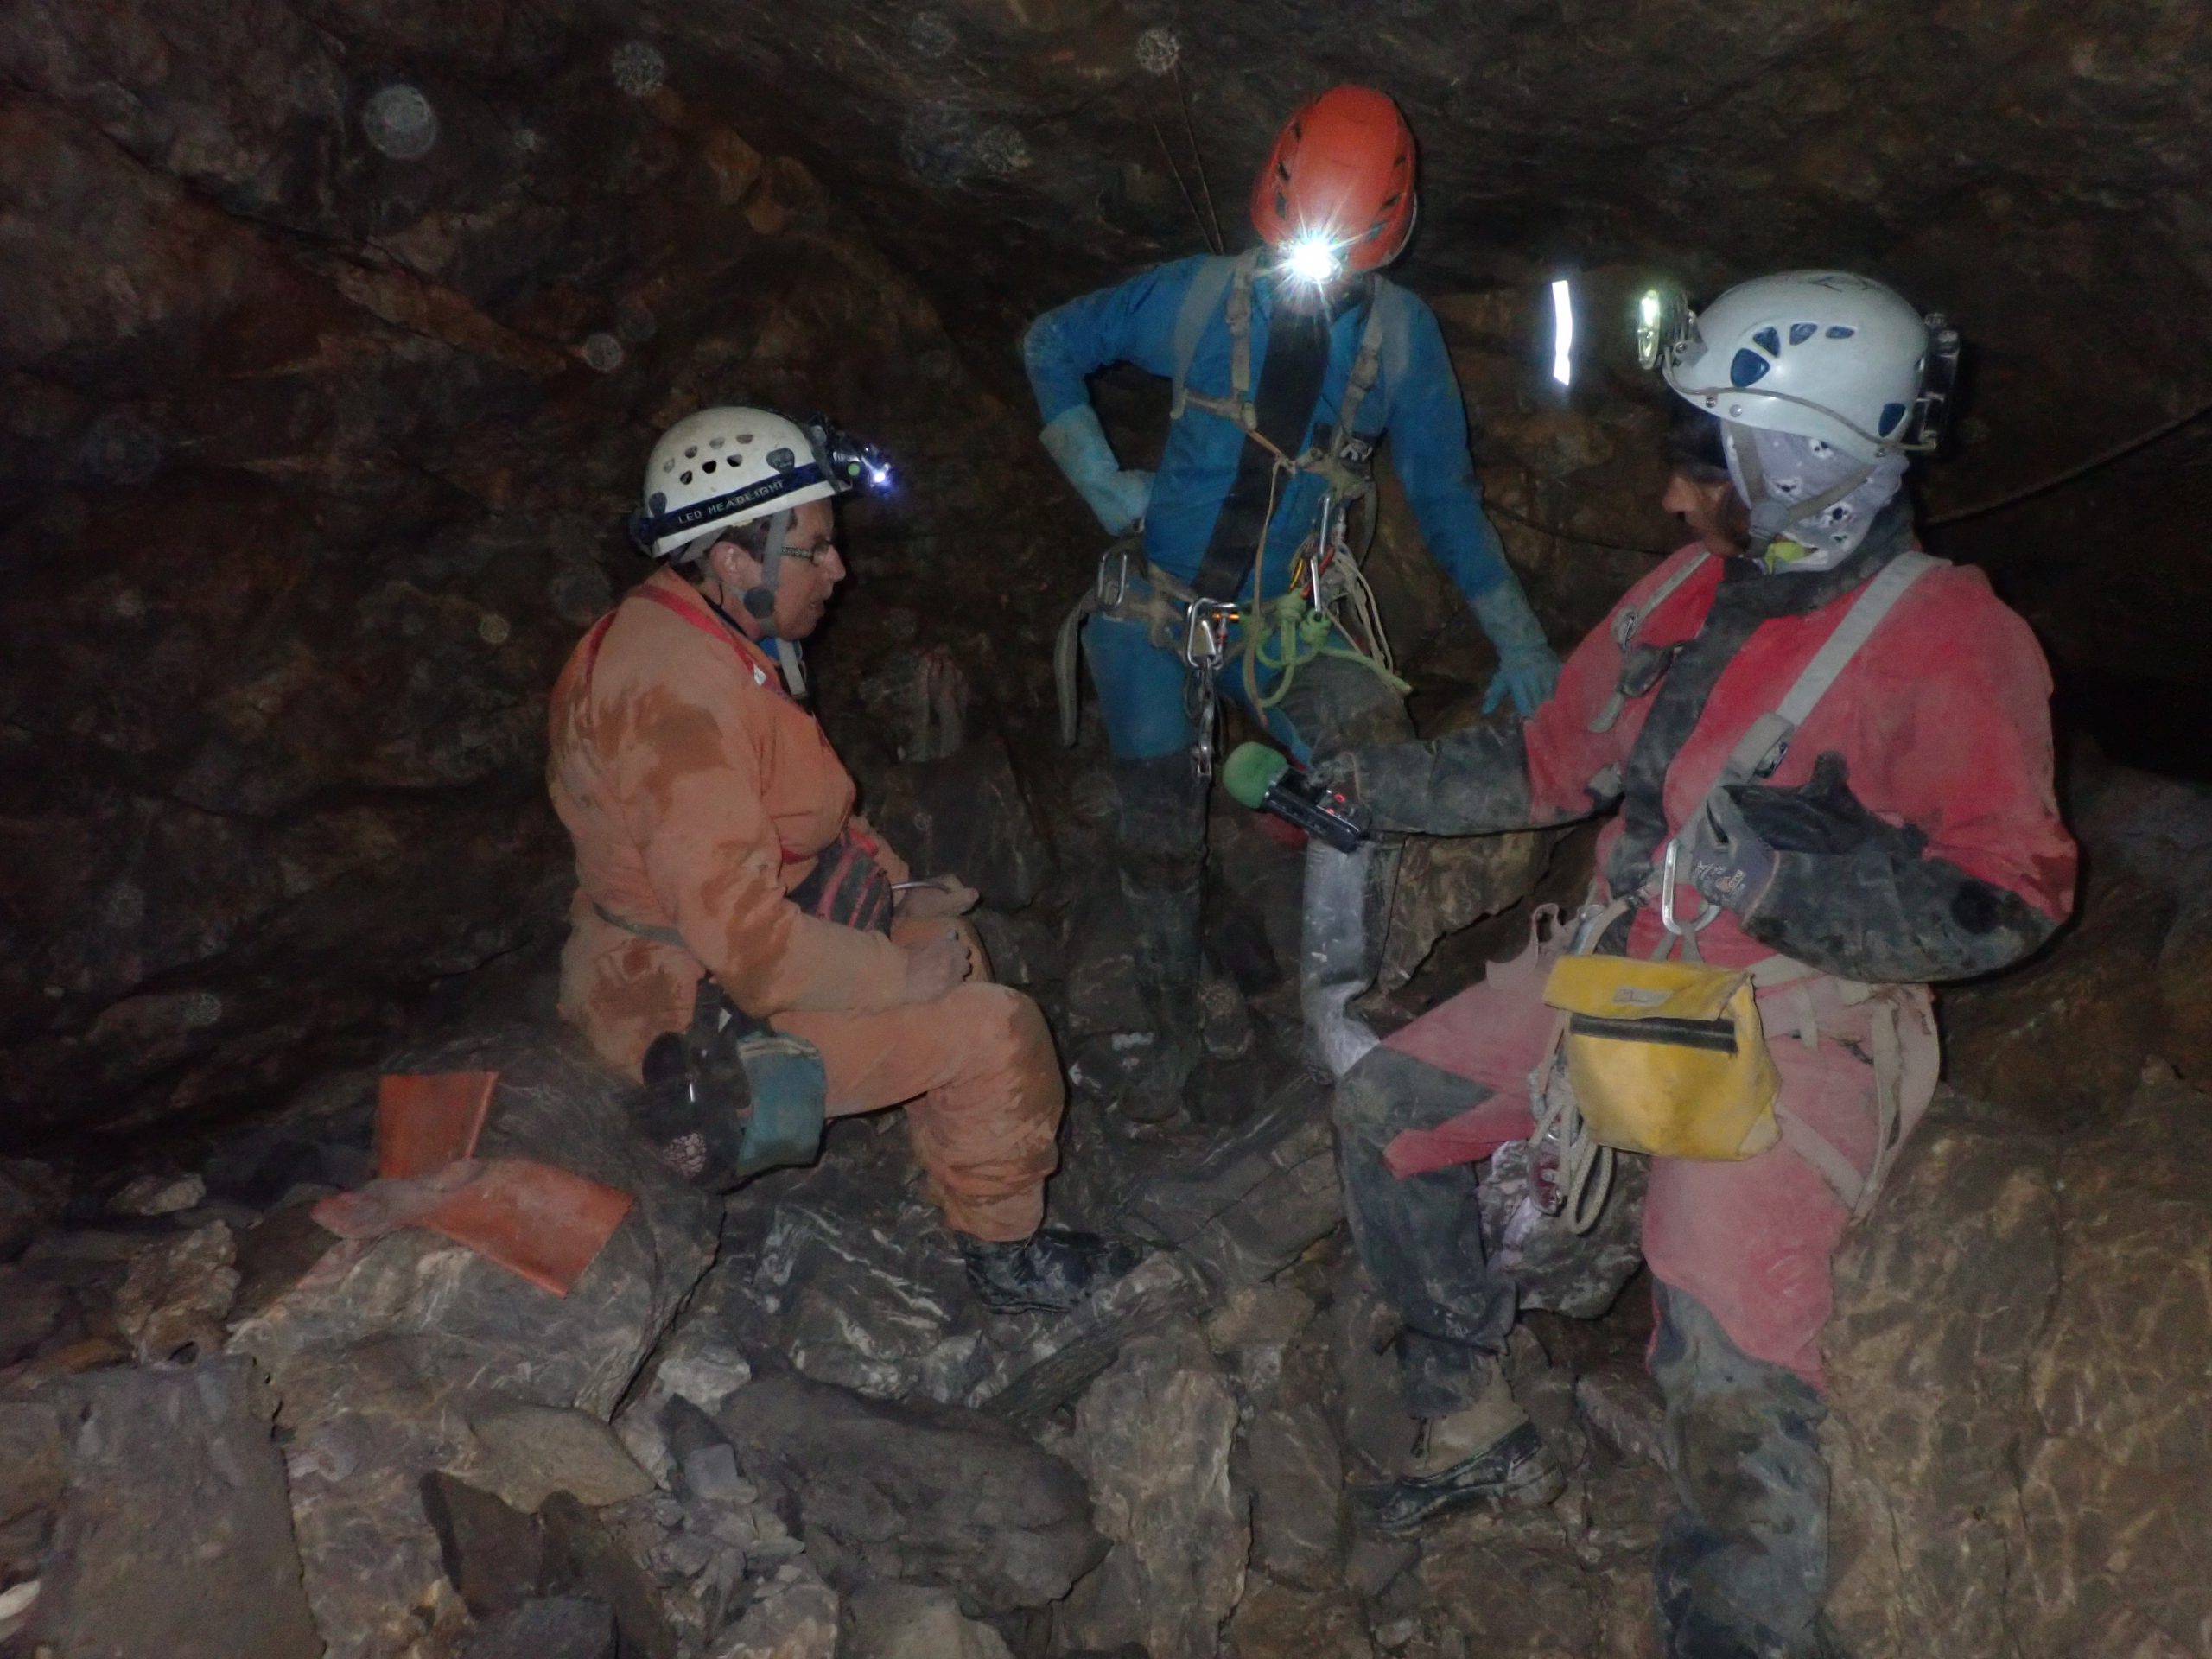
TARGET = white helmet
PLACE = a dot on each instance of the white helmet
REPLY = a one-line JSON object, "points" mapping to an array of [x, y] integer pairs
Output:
{"points": [[728, 465], [1821, 354]]}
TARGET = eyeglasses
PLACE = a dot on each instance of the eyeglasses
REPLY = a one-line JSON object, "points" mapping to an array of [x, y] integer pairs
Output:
{"points": [[813, 550]]}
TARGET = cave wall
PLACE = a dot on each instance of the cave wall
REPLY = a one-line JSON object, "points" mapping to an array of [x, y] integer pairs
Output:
{"points": [[314, 460], [336, 328]]}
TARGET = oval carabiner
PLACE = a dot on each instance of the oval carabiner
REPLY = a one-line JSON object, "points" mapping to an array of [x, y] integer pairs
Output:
{"points": [[1667, 917]]}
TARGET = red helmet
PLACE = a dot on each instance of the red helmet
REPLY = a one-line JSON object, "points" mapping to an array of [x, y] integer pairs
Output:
{"points": [[1343, 168]]}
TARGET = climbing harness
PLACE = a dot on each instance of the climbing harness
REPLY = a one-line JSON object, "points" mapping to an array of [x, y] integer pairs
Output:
{"points": [[1328, 608], [1667, 1092]]}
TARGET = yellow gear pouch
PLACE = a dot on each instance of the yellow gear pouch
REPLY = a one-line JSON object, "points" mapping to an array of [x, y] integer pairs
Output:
{"points": [[1666, 1057]]}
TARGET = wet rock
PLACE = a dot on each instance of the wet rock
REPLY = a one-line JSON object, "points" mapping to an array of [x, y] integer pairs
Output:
{"points": [[1448, 883], [966, 815], [30, 1198], [158, 1195], [149, 1450], [531, 1451], [582, 1558], [175, 1297], [2015, 1382], [1155, 1436], [33, 1308], [558, 1627], [1255, 1200], [1296, 1470], [902, 1621], [33, 1464], [493, 1554], [1273, 1620], [382, 1355], [923, 1493], [1621, 1404], [794, 1617]]}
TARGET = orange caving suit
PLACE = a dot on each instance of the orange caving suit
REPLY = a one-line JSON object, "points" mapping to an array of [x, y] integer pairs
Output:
{"points": [[698, 795]]}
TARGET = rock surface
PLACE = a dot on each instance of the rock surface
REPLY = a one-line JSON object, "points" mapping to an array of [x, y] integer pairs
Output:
{"points": [[2014, 1367], [175, 1536], [383, 1356], [926, 1494], [1154, 1435]]}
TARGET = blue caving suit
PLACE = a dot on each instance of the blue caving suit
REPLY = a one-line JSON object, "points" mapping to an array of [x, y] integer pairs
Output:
{"points": [[1202, 523]]}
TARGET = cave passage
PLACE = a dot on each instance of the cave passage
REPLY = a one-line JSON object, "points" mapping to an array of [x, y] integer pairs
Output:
{"points": [[385, 766]]}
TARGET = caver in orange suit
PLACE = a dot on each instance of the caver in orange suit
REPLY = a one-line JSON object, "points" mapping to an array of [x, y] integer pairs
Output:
{"points": [[698, 795]]}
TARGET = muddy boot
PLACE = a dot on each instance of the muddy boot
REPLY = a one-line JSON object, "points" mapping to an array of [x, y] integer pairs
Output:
{"points": [[1048, 1272], [1486, 1453], [1161, 853]]}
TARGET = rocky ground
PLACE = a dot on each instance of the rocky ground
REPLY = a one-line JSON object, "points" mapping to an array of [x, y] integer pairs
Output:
{"points": [[780, 1426]]}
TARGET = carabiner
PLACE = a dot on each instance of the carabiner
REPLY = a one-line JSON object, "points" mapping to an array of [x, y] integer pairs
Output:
{"points": [[1117, 559], [1667, 917]]}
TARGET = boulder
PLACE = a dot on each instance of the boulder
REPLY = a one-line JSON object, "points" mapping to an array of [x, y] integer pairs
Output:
{"points": [[174, 1536], [555, 1627], [1255, 1200], [1448, 883], [1155, 1435], [531, 1451], [966, 815], [1274, 1620], [904, 1621], [2021, 1420], [175, 1296], [925, 1493], [382, 1355], [794, 1617]]}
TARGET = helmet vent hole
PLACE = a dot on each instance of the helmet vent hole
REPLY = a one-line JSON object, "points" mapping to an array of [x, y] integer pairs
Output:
{"points": [[692, 453], [1802, 331], [744, 438], [713, 443], [685, 478], [708, 467], [1841, 331], [1748, 368], [1768, 340], [1892, 415]]}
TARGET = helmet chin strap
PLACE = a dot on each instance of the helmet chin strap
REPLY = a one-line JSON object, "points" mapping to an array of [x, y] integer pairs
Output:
{"points": [[1772, 519], [760, 603]]}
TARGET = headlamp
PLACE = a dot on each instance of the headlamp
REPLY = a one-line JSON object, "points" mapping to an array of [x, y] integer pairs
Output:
{"points": [[1314, 257], [1662, 324], [1931, 424], [849, 463]]}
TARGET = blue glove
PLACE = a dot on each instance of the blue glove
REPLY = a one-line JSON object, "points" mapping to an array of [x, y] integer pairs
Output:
{"points": [[1729, 861], [1077, 443], [1527, 669]]}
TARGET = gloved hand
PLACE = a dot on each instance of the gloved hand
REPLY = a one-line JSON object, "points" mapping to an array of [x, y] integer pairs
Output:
{"points": [[1820, 815], [1077, 443], [1528, 668], [1729, 863]]}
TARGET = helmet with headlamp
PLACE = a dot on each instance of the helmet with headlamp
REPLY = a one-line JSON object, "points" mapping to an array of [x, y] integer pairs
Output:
{"points": [[1823, 354], [729, 466], [1337, 194]]}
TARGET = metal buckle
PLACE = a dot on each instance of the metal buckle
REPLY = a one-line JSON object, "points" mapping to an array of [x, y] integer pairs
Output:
{"points": [[1667, 917], [1116, 559]]}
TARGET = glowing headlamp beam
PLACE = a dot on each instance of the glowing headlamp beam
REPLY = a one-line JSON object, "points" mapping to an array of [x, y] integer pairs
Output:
{"points": [[1312, 258], [1563, 332]]}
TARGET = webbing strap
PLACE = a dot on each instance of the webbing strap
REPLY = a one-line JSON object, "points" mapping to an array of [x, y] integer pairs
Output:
{"points": [[1626, 623], [1760, 748], [1201, 300], [737, 642]]}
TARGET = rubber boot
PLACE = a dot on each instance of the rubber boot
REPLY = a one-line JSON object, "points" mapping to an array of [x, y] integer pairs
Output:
{"points": [[1049, 1272], [1161, 852], [1346, 919], [1487, 1453]]}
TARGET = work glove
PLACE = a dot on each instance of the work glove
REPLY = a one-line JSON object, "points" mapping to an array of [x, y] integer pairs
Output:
{"points": [[1528, 668], [1729, 863], [1077, 443], [1818, 816]]}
